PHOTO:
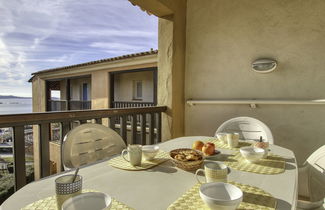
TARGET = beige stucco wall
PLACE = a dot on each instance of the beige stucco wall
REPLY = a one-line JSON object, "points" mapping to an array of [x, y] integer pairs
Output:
{"points": [[225, 36], [63, 89], [123, 86], [100, 90], [165, 77], [171, 69], [76, 88], [39, 95], [100, 78]]}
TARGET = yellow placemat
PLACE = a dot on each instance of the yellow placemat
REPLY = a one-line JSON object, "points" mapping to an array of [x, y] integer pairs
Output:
{"points": [[49, 203], [273, 164], [119, 162], [220, 144], [254, 198]]}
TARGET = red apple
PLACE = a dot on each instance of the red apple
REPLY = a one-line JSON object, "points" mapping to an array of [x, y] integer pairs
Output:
{"points": [[208, 148], [197, 145]]}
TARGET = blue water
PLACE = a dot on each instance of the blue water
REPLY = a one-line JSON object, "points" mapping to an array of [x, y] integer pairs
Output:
{"points": [[15, 106]]}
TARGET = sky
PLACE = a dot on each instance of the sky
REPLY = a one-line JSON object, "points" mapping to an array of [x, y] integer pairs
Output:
{"points": [[42, 34]]}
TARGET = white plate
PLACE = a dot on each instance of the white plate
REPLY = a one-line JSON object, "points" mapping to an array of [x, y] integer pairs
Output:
{"points": [[87, 201], [217, 153]]}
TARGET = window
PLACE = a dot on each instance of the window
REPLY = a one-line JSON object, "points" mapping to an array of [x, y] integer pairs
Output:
{"points": [[137, 90], [55, 94], [85, 88]]}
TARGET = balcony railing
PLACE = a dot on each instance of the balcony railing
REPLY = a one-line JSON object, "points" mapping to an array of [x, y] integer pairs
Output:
{"points": [[63, 105], [145, 131], [131, 104], [57, 105], [127, 104], [80, 105]]}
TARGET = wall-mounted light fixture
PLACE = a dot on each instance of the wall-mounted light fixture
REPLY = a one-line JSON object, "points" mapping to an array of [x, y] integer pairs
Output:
{"points": [[264, 65]]}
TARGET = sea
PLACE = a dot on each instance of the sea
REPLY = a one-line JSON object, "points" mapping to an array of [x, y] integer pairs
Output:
{"points": [[15, 106]]}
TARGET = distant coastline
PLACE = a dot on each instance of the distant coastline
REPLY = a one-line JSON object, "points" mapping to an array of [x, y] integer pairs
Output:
{"points": [[13, 97]]}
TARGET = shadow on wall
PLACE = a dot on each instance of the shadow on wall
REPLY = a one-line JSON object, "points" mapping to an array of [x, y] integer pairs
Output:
{"points": [[293, 127]]}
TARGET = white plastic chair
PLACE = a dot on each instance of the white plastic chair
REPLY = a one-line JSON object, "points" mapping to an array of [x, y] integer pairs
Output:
{"points": [[248, 129], [89, 143], [311, 181]]}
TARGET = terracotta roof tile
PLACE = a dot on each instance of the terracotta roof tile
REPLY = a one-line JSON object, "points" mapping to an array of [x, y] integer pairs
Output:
{"points": [[151, 52]]}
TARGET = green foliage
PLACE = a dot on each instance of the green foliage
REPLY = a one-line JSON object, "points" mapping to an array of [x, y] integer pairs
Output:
{"points": [[6, 186], [7, 182]]}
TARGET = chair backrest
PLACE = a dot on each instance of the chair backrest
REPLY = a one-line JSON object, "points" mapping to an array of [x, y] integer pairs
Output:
{"points": [[89, 143], [316, 164], [317, 159], [248, 129]]}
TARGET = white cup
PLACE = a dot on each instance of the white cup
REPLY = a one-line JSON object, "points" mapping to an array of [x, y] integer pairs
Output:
{"points": [[65, 188], [214, 172], [222, 137], [235, 137], [134, 154], [233, 140]]}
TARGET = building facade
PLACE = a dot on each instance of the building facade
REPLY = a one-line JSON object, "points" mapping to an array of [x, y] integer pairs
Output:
{"points": [[97, 84], [119, 82]]}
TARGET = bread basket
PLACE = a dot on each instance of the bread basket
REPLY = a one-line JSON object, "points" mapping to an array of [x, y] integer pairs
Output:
{"points": [[186, 165]]}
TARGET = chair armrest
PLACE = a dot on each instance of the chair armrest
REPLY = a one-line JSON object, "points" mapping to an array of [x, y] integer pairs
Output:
{"points": [[316, 184]]}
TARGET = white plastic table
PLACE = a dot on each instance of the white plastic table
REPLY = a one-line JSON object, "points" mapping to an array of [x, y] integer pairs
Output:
{"points": [[160, 186]]}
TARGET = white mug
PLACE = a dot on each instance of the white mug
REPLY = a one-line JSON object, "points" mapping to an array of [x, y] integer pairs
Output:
{"points": [[233, 140], [222, 137], [214, 172], [134, 154]]}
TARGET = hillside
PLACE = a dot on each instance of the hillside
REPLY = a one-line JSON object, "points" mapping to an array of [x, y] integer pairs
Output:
{"points": [[13, 97]]}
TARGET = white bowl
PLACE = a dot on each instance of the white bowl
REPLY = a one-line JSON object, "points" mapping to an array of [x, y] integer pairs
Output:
{"points": [[222, 196], [150, 151], [89, 200], [263, 145], [252, 154]]}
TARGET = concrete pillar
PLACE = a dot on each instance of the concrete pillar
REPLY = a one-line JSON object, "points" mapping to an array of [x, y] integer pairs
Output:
{"points": [[39, 105], [63, 90], [100, 94], [171, 71]]}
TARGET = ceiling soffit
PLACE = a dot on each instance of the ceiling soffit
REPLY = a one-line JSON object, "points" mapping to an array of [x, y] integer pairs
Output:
{"points": [[154, 7]]}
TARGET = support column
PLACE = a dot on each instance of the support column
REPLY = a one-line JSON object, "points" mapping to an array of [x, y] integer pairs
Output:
{"points": [[68, 96], [155, 86], [171, 70], [100, 93], [39, 105]]}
